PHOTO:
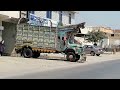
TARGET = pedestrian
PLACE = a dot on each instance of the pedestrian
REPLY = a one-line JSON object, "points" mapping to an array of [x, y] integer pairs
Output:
{"points": [[2, 47]]}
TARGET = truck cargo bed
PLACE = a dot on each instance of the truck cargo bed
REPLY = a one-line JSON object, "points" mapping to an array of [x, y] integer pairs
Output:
{"points": [[37, 37]]}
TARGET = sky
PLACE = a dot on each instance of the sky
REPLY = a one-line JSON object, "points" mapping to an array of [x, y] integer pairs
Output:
{"points": [[99, 18]]}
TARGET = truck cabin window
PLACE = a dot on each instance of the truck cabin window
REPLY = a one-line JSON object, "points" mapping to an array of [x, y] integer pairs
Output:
{"points": [[71, 40]]}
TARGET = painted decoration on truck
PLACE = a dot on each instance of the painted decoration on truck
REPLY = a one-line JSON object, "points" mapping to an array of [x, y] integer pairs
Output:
{"points": [[35, 20]]}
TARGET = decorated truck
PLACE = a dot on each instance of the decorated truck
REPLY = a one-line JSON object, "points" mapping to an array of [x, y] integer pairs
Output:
{"points": [[32, 40]]}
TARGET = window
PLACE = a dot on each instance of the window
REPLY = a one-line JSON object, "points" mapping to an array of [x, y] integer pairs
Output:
{"points": [[69, 18], [112, 35], [89, 46], [28, 13], [32, 12], [60, 16], [49, 14]]}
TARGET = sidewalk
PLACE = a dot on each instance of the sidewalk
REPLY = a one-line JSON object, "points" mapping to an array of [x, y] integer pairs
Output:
{"points": [[10, 66]]}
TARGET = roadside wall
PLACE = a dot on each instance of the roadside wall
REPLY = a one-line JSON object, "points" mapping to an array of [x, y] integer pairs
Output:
{"points": [[8, 35]]}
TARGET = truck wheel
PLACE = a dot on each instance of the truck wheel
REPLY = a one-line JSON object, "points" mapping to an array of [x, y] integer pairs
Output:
{"points": [[71, 57], [36, 54], [27, 53], [77, 57], [92, 53], [97, 54]]}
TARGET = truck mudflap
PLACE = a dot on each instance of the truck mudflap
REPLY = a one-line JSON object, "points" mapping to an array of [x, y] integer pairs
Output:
{"points": [[82, 58]]}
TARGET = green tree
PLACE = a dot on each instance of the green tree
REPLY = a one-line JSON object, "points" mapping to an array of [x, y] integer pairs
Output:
{"points": [[95, 36]]}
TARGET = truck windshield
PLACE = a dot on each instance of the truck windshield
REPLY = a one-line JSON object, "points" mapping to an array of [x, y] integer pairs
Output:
{"points": [[73, 41]]}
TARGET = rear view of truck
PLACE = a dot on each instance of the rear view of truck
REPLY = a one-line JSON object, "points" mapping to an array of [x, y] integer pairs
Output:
{"points": [[32, 40]]}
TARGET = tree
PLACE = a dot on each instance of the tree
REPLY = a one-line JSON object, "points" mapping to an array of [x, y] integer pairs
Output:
{"points": [[95, 36]]}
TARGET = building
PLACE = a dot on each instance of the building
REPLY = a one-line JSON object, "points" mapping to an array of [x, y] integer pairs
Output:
{"points": [[116, 31], [105, 42], [66, 17], [8, 28], [115, 37], [6, 15]]}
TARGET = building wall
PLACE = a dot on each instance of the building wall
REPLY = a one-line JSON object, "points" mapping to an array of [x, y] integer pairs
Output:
{"points": [[105, 42], [116, 31], [115, 40], [40, 14], [55, 16], [1, 31], [106, 30], [14, 14], [8, 35], [65, 18], [73, 18], [0, 35]]}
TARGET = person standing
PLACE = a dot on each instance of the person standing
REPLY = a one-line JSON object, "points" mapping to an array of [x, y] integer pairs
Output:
{"points": [[2, 47]]}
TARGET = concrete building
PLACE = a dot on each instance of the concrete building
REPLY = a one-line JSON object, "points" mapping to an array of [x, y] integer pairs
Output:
{"points": [[66, 17], [8, 28], [5, 15], [105, 42], [115, 37]]}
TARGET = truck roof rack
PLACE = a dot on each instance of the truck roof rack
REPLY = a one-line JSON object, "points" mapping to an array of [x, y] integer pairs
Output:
{"points": [[80, 25], [76, 27]]}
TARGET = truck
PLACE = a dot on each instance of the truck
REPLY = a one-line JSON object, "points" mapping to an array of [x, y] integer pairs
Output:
{"points": [[32, 40]]}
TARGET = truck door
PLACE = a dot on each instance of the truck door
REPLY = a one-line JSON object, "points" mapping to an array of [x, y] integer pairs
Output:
{"points": [[61, 41]]}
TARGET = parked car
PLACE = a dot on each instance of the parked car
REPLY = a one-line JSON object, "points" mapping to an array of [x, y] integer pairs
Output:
{"points": [[93, 50]]}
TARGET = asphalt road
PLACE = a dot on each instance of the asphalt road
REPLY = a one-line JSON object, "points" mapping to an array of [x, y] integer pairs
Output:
{"points": [[104, 70]]}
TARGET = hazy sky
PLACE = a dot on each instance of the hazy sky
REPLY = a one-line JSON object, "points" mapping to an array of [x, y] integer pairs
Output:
{"points": [[99, 18]]}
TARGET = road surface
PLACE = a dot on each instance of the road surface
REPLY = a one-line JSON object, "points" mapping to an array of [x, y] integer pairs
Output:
{"points": [[103, 70]]}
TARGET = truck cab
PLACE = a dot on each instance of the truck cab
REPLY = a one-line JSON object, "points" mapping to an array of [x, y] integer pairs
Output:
{"points": [[68, 45]]}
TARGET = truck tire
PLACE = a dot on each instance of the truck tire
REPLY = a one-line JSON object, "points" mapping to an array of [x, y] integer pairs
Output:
{"points": [[71, 57], [36, 54], [77, 57], [27, 53], [92, 53]]}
